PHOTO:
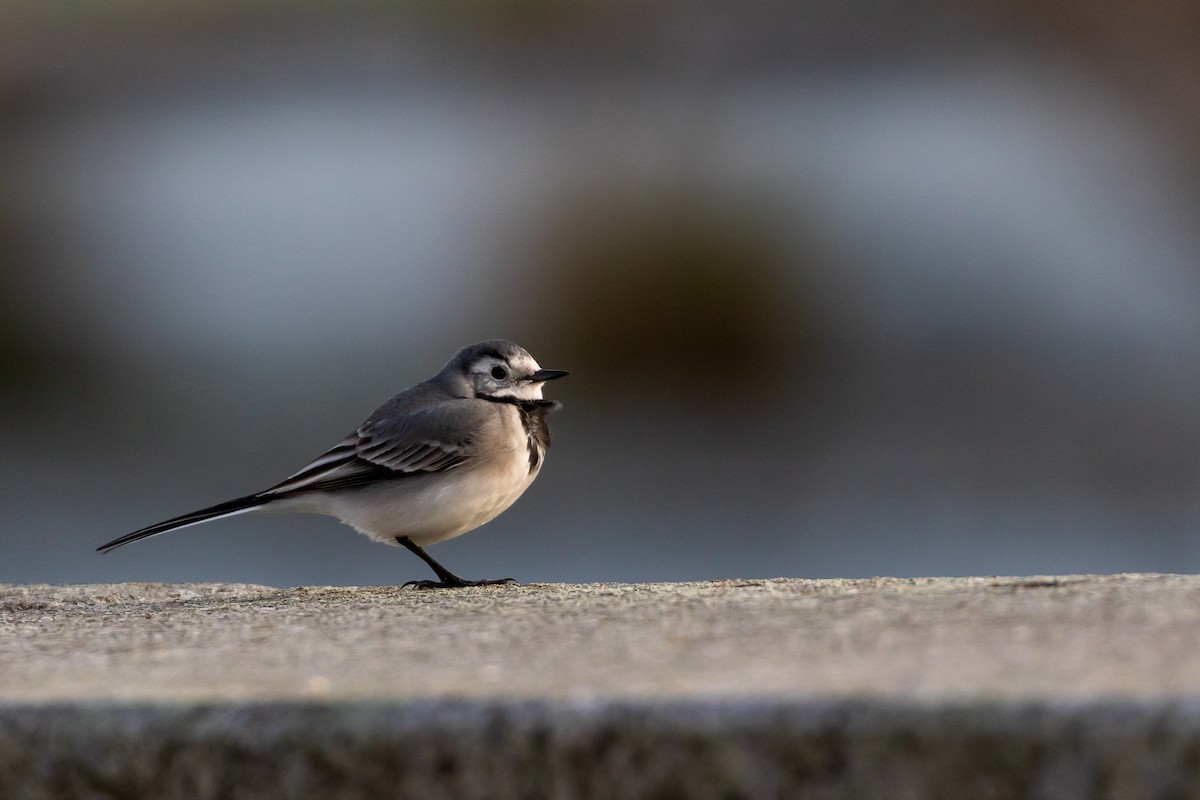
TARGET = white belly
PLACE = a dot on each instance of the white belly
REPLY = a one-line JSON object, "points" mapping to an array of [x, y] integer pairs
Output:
{"points": [[425, 508]]}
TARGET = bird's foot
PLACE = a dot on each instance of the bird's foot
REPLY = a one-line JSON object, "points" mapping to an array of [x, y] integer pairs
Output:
{"points": [[457, 583]]}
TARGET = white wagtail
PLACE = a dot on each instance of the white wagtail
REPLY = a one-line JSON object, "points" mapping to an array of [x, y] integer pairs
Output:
{"points": [[433, 462]]}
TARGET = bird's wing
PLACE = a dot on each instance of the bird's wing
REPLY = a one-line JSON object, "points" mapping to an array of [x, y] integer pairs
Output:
{"points": [[394, 445]]}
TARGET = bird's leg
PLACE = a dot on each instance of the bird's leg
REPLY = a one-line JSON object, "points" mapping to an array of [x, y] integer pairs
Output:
{"points": [[446, 578]]}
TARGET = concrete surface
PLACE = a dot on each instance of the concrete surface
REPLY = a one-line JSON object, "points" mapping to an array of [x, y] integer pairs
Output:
{"points": [[1081, 686]]}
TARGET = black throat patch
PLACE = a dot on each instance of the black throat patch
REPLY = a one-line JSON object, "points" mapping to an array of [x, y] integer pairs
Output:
{"points": [[533, 419]]}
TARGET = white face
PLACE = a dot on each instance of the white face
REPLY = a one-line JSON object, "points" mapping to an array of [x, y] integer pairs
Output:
{"points": [[506, 378]]}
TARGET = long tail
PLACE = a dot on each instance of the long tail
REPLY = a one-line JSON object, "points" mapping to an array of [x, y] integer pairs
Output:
{"points": [[227, 509]]}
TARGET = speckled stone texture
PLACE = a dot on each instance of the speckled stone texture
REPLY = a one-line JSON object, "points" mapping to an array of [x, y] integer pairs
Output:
{"points": [[1081, 686]]}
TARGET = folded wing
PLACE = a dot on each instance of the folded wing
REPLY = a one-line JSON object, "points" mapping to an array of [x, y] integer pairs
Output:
{"points": [[387, 447]]}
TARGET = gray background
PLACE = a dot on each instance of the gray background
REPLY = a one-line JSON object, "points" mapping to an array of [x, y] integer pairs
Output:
{"points": [[845, 289]]}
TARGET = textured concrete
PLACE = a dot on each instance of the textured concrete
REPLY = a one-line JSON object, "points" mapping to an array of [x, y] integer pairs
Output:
{"points": [[988, 687]]}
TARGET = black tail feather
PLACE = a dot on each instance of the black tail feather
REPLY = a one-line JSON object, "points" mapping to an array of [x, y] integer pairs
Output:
{"points": [[247, 503]]}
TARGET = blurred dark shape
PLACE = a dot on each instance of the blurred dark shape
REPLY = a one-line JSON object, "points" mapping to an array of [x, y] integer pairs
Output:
{"points": [[18, 341], [40, 355], [34, 361], [1148, 50], [674, 294]]}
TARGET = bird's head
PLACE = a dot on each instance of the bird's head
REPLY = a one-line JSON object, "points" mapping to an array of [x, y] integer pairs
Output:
{"points": [[501, 369]]}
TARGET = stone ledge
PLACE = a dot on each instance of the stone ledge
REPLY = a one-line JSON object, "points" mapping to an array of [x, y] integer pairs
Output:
{"points": [[1003, 687], [493, 749]]}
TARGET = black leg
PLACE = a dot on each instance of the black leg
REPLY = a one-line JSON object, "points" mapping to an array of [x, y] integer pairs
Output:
{"points": [[446, 578]]}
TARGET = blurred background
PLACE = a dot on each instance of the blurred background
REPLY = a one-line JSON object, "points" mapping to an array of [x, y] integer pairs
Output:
{"points": [[846, 288]]}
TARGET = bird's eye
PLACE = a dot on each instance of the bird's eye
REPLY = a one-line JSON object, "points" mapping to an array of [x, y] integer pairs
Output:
{"points": [[499, 373]]}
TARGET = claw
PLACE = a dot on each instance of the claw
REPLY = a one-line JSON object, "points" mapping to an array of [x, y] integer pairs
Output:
{"points": [[457, 583]]}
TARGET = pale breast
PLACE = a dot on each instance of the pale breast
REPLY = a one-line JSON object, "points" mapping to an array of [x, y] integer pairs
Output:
{"points": [[439, 506]]}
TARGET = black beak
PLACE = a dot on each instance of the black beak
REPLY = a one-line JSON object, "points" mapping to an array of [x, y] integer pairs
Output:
{"points": [[543, 375]]}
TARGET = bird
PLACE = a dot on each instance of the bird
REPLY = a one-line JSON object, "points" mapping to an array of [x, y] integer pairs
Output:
{"points": [[433, 462]]}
